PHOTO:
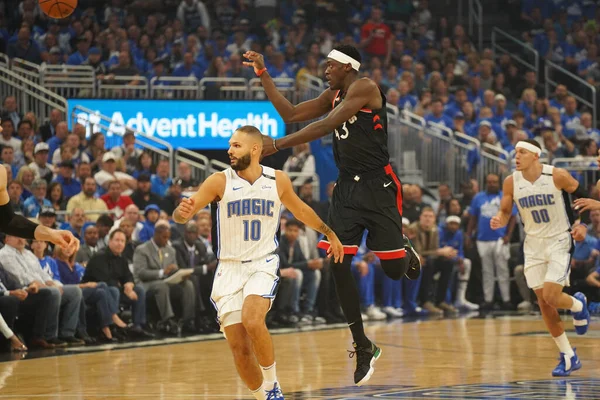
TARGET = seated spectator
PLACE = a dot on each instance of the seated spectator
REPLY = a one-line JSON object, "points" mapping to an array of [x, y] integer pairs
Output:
{"points": [[48, 130], [290, 255], [89, 246], [144, 165], [33, 205], [40, 165], [151, 214], [26, 177], [143, 196], [173, 197], [161, 181], [592, 291], [413, 202], [70, 185], [76, 222], [589, 132], [15, 192], [154, 261], [8, 133], [87, 200], [301, 161], [109, 266], [95, 294], [96, 150], [29, 303], [132, 214], [128, 152], [127, 227], [188, 182], [109, 173], [23, 265], [114, 199], [104, 223], [8, 158], [583, 261], [77, 156], [60, 135], [56, 199]]}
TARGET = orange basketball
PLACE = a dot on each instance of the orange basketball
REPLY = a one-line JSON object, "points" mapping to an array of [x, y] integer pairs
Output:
{"points": [[58, 8]]}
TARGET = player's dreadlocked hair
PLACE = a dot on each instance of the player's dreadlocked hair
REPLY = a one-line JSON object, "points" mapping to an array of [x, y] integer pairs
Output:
{"points": [[349, 51]]}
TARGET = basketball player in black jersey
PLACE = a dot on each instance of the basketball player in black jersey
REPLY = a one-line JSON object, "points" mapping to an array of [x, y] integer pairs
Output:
{"points": [[17, 225], [367, 195]]}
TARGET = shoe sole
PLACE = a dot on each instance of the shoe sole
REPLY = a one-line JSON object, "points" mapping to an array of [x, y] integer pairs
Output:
{"points": [[413, 273], [371, 369]]}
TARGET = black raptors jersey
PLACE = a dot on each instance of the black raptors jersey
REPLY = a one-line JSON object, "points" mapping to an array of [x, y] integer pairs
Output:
{"points": [[360, 144]]}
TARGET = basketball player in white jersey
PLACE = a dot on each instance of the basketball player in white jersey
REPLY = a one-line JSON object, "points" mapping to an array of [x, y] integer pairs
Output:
{"points": [[249, 198], [541, 194]]}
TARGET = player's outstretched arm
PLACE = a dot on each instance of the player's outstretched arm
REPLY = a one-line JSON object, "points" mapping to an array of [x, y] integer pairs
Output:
{"points": [[506, 205], [17, 225], [212, 188], [307, 215], [564, 181], [304, 111], [359, 95]]}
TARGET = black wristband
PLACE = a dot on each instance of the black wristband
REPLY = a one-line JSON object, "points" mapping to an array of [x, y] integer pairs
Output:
{"points": [[16, 225]]}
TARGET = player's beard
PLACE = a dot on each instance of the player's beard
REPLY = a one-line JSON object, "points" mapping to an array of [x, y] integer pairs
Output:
{"points": [[242, 162]]}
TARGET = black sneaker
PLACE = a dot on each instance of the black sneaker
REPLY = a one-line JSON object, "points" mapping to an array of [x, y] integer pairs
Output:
{"points": [[57, 342], [365, 361], [414, 261]]}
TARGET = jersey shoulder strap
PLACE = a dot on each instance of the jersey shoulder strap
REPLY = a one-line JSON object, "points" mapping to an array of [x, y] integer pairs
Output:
{"points": [[517, 177], [547, 169], [268, 172]]}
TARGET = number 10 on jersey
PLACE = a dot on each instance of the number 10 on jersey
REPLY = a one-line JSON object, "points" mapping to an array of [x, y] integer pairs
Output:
{"points": [[252, 230]]}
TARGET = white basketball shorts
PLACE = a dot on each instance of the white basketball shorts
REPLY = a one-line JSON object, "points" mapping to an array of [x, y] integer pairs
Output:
{"points": [[548, 260], [236, 280]]}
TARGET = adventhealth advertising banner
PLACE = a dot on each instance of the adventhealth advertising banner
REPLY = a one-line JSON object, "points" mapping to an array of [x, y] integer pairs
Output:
{"points": [[191, 124]]}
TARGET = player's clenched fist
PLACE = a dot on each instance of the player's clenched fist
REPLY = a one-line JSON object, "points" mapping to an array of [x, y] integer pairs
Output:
{"points": [[186, 208], [495, 223]]}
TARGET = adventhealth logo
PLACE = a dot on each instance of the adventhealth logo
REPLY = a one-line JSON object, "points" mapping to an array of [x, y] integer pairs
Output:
{"points": [[199, 125]]}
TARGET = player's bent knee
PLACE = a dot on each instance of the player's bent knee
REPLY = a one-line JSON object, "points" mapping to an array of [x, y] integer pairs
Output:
{"points": [[254, 324], [395, 268], [551, 298]]}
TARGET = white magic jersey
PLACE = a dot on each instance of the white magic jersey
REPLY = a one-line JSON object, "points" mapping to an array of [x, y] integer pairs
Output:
{"points": [[544, 209], [248, 217]]}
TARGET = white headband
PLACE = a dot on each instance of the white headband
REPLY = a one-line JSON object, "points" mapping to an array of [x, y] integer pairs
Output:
{"points": [[343, 58], [529, 147]]}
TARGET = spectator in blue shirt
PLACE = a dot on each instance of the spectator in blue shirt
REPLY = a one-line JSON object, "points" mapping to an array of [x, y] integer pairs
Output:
{"points": [[160, 182], [70, 185], [188, 68], [151, 212], [83, 46], [60, 135], [590, 132], [492, 245], [501, 114], [456, 105], [437, 114], [571, 117], [33, 205], [406, 101]]}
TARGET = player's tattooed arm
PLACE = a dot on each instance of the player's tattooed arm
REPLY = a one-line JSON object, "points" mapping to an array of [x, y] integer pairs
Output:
{"points": [[324, 229]]}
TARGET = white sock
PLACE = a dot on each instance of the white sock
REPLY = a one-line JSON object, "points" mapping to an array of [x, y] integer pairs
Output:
{"points": [[259, 394], [269, 373], [562, 342], [577, 305]]}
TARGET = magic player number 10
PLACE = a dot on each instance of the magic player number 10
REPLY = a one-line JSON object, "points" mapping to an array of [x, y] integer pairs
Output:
{"points": [[252, 230]]}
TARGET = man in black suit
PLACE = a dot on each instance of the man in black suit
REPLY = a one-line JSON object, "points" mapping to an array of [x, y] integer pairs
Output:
{"points": [[49, 128], [192, 253]]}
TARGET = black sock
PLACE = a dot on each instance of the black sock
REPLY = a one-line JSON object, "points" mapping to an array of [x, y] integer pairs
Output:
{"points": [[349, 299]]}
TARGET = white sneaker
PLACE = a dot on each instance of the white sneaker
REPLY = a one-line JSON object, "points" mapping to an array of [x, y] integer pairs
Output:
{"points": [[364, 316], [392, 312], [524, 306], [375, 314], [466, 305], [272, 391], [400, 311]]}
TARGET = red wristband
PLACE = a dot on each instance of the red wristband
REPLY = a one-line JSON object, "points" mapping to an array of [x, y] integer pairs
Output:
{"points": [[260, 71]]}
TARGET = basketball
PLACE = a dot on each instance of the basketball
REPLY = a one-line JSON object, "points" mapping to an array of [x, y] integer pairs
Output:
{"points": [[58, 8]]}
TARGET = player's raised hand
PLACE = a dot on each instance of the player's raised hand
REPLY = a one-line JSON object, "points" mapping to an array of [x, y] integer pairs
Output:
{"points": [[186, 208], [257, 60], [61, 238], [586, 204], [336, 250], [495, 223], [579, 232]]}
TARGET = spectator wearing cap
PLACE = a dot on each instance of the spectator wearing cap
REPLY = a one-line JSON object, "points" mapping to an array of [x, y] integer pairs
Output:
{"points": [[83, 46], [70, 185], [47, 217], [77, 156], [501, 114], [55, 56], [128, 152], [89, 247], [151, 213], [61, 133], [87, 200], [173, 198], [34, 204], [94, 60], [459, 123], [143, 196], [513, 136], [115, 200], [109, 173], [160, 180]]}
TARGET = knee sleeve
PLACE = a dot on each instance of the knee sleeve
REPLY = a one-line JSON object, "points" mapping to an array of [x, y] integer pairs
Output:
{"points": [[395, 268]]}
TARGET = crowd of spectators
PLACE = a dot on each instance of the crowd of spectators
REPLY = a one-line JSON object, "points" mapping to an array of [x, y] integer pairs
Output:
{"points": [[118, 202]]}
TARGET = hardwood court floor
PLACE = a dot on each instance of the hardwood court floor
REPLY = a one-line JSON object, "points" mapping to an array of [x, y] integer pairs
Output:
{"points": [[491, 358]]}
